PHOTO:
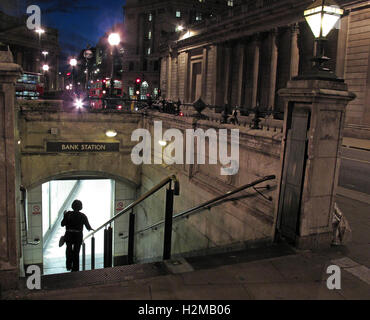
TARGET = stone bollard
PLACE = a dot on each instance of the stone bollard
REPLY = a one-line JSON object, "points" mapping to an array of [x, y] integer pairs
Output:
{"points": [[9, 235], [313, 129]]}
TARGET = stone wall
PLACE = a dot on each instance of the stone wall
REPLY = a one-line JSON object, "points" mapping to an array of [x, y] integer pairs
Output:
{"points": [[247, 218], [39, 126]]}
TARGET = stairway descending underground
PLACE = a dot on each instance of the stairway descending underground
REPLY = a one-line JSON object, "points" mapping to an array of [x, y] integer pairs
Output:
{"points": [[119, 274], [131, 271]]}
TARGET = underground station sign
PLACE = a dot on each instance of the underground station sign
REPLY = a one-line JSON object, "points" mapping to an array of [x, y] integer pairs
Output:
{"points": [[81, 147]]}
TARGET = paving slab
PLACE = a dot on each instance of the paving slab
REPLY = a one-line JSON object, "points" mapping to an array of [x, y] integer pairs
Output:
{"points": [[291, 291]]}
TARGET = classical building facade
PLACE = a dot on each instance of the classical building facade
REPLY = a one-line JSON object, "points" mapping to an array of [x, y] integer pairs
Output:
{"points": [[27, 47], [149, 24], [234, 59]]}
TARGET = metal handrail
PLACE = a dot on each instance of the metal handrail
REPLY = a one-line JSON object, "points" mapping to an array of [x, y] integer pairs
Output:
{"points": [[208, 203], [135, 203]]}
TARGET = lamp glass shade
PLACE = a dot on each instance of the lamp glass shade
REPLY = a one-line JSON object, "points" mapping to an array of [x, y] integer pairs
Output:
{"points": [[45, 67], [314, 21], [322, 18], [328, 23]]}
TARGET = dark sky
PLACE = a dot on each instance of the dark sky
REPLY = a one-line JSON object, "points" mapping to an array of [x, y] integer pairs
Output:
{"points": [[80, 22]]}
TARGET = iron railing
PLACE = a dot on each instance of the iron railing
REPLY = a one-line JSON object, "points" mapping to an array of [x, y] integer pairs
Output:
{"points": [[210, 203], [172, 190]]}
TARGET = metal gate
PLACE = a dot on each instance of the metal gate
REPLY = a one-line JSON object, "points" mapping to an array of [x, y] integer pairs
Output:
{"points": [[293, 171]]}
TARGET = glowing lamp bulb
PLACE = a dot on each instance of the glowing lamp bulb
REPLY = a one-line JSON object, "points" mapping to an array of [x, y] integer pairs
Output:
{"points": [[111, 133], [114, 39], [73, 62], [78, 103]]}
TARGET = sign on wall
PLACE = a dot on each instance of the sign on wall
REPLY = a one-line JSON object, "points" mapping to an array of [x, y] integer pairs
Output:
{"points": [[82, 147], [36, 209]]}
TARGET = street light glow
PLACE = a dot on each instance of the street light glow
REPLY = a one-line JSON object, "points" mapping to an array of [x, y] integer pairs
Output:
{"points": [[40, 31], [45, 53], [73, 62], [78, 103], [114, 39], [45, 67]]}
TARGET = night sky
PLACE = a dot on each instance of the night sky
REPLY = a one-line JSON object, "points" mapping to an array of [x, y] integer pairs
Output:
{"points": [[80, 22]]}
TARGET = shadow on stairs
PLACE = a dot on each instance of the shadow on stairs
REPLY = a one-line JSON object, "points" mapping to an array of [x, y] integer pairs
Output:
{"points": [[155, 269]]}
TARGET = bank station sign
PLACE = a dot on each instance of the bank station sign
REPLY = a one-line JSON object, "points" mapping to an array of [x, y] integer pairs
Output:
{"points": [[82, 147]]}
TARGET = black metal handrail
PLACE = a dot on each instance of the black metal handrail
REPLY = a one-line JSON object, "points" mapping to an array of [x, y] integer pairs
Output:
{"points": [[206, 204], [108, 232], [134, 204]]}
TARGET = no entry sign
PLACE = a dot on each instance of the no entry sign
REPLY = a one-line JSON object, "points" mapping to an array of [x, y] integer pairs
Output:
{"points": [[36, 209]]}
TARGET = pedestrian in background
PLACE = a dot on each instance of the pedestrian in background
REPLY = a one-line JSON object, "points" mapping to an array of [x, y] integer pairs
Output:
{"points": [[74, 221]]}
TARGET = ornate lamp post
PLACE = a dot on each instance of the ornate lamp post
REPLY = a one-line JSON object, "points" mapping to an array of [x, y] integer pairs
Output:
{"points": [[322, 16], [315, 105], [73, 63], [88, 54], [114, 40], [46, 68]]}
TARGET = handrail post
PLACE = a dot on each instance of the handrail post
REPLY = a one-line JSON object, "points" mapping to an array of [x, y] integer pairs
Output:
{"points": [[83, 256], [168, 224], [110, 247], [105, 248], [92, 253], [131, 239]]}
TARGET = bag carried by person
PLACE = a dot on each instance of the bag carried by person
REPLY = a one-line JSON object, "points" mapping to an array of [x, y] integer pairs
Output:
{"points": [[62, 241]]}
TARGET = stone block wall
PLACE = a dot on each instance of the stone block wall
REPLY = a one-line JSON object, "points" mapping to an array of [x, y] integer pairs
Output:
{"points": [[245, 219]]}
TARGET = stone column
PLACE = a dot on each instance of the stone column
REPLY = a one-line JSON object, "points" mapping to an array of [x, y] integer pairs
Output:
{"points": [[9, 264], [241, 75], [204, 74], [256, 66], [273, 68], [342, 47], [228, 73], [294, 51], [169, 77], [313, 130]]}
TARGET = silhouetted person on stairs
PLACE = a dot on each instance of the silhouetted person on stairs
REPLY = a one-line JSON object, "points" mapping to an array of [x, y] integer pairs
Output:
{"points": [[74, 222]]}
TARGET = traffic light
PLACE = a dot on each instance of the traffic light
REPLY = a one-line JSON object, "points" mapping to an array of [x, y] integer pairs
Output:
{"points": [[137, 86]]}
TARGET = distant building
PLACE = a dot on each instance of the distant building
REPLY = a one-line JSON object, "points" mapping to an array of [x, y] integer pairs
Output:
{"points": [[150, 24], [235, 59], [30, 50]]}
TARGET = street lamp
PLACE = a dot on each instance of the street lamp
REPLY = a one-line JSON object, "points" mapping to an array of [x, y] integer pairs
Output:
{"points": [[45, 67], [322, 16], [73, 63], [40, 31], [114, 40]]}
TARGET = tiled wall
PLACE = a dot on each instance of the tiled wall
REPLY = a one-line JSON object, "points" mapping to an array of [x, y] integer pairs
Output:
{"points": [[124, 195], [33, 254]]}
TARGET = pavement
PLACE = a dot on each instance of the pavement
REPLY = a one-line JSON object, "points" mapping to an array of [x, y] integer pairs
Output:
{"points": [[361, 144]]}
